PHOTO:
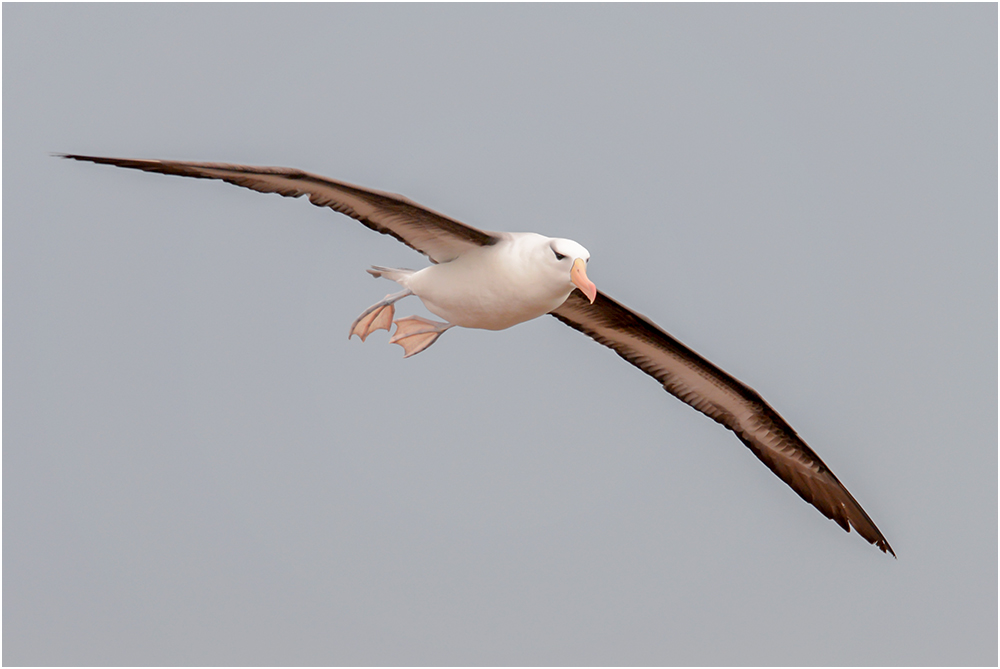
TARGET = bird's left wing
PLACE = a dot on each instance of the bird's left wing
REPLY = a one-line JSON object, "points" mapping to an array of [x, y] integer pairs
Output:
{"points": [[699, 383], [435, 235]]}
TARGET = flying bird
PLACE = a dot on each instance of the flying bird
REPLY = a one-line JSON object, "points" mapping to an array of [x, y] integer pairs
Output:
{"points": [[494, 280]]}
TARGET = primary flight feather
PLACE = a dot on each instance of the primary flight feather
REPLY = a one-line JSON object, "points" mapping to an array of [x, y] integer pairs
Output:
{"points": [[493, 280]]}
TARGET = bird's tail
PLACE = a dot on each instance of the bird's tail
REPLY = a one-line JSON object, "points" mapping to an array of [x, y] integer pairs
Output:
{"points": [[389, 273]]}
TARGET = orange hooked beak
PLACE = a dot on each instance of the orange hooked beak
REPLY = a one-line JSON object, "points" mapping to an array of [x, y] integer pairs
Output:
{"points": [[578, 275]]}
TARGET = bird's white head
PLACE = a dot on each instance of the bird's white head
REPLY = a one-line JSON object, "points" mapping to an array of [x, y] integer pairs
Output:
{"points": [[571, 259]]}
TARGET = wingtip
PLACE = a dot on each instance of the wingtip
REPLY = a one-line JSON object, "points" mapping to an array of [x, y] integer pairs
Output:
{"points": [[76, 156], [871, 534], [886, 548], [79, 156]]}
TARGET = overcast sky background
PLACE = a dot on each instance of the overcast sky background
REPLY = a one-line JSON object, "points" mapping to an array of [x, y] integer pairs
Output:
{"points": [[200, 468]]}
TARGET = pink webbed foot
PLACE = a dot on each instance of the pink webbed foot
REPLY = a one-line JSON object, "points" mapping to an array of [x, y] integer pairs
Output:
{"points": [[415, 334], [376, 317]]}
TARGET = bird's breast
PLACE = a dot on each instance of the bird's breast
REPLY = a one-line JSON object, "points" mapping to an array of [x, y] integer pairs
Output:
{"points": [[488, 294]]}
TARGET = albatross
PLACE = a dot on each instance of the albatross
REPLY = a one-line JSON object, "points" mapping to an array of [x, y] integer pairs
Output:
{"points": [[494, 280]]}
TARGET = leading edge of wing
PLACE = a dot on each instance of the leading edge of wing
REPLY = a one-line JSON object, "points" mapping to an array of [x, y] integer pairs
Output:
{"points": [[435, 235], [699, 383]]}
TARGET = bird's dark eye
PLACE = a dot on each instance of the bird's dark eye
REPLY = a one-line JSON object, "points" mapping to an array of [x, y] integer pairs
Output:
{"points": [[559, 256]]}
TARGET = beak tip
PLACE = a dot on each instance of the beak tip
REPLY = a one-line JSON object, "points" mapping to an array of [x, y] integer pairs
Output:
{"points": [[579, 278]]}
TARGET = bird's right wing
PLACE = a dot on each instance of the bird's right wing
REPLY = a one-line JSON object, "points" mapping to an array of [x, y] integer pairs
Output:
{"points": [[435, 235], [697, 382]]}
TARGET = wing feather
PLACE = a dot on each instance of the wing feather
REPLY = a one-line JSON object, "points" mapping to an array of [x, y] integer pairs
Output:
{"points": [[697, 382], [435, 235]]}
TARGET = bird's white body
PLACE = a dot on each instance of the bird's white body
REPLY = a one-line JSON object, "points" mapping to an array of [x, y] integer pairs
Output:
{"points": [[496, 287]]}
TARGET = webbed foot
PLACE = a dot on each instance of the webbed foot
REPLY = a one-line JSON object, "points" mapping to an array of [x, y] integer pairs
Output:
{"points": [[377, 317], [415, 333]]}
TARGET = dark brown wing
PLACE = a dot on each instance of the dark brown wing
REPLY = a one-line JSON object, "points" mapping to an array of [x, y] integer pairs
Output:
{"points": [[438, 237], [696, 381]]}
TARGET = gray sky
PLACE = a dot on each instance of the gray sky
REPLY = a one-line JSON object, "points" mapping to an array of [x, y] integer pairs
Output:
{"points": [[200, 468]]}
